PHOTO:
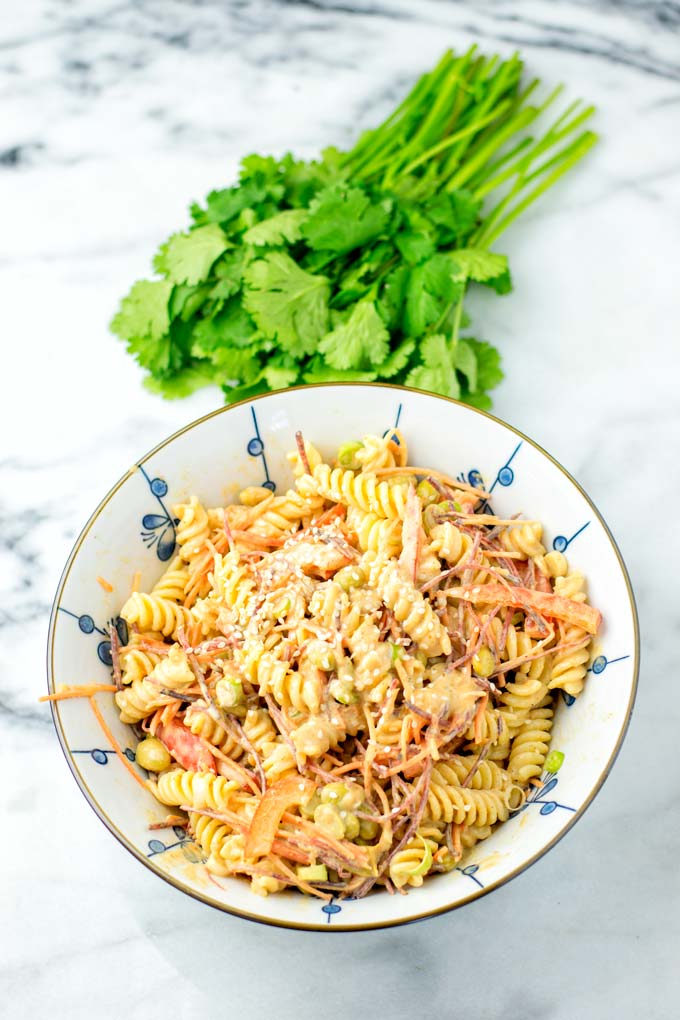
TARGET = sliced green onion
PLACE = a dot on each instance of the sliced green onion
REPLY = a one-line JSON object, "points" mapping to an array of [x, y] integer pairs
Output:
{"points": [[554, 761]]}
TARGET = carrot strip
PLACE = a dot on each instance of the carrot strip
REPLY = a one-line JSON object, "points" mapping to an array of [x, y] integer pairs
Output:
{"points": [[106, 585], [577, 613], [78, 692], [114, 743], [290, 790]]}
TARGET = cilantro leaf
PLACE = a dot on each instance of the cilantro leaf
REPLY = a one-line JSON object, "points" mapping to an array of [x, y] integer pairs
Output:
{"points": [[188, 258], [466, 363], [478, 264], [430, 292], [360, 342], [489, 371], [318, 372], [393, 295], [438, 371], [285, 226], [232, 326], [414, 246], [144, 312], [183, 384], [237, 365], [456, 212], [342, 218], [287, 303], [397, 360], [232, 394]]}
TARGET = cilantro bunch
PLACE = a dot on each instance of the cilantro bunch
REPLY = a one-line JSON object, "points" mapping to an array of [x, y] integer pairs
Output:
{"points": [[355, 267]]}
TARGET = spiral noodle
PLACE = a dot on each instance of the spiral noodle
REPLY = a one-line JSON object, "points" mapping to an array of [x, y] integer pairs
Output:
{"points": [[530, 746], [135, 662], [462, 805], [363, 491], [259, 728], [377, 534], [286, 513], [450, 543], [407, 866], [201, 724], [151, 612], [197, 789], [386, 451], [193, 529], [172, 583], [518, 699], [410, 609], [524, 538], [143, 696], [569, 665]]}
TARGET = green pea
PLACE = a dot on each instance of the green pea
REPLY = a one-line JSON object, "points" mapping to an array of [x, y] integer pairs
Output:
{"points": [[483, 662], [321, 655], [327, 817], [350, 577], [342, 690], [152, 755], [554, 761], [343, 796], [313, 873], [347, 456], [351, 823], [368, 829], [427, 492]]}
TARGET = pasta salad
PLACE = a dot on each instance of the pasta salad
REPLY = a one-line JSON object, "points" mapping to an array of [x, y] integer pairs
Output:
{"points": [[349, 685]]}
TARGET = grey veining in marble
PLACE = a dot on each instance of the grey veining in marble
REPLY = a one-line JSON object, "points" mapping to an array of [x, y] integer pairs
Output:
{"points": [[114, 116]]}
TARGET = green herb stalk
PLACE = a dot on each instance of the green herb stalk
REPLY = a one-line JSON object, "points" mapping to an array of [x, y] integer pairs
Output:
{"points": [[355, 267]]}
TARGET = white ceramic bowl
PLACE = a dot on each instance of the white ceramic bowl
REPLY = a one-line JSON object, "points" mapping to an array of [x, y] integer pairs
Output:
{"points": [[246, 444]]}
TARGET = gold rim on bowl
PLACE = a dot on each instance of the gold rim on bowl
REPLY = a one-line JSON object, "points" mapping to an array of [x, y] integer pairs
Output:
{"points": [[211, 901]]}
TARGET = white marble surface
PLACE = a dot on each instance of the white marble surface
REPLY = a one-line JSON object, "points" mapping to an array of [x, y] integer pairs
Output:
{"points": [[115, 115]]}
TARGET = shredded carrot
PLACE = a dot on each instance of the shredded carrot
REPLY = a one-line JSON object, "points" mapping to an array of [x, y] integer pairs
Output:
{"points": [[456, 833], [536, 782], [446, 479], [114, 743], [86, 691], [106, 585], [479, 716], [136, 581]]}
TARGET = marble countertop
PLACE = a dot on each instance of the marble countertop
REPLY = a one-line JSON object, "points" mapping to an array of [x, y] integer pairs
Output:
{"points": [[116, 115]]}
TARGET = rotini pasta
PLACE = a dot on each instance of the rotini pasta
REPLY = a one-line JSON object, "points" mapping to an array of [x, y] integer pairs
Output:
{"points": [[350, 685]]}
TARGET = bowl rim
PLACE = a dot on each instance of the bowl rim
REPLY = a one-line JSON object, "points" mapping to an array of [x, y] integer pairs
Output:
{"points": [[259, 918]]}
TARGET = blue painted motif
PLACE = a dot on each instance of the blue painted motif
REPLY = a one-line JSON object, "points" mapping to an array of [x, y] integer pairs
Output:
{"points": [[331, 908], [88, 626], [471, 872], [560, 543], [506, 475], [159, 529], [540, 797], [189, 849], [255, 448], [601, 662], [101, 757]]}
